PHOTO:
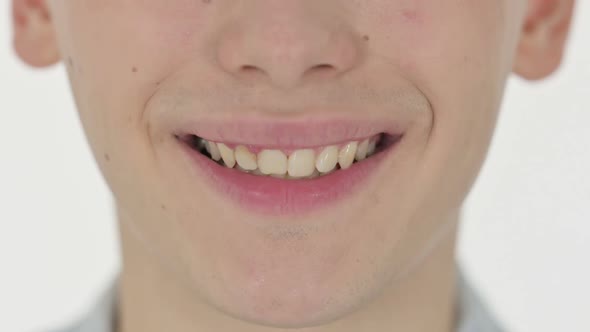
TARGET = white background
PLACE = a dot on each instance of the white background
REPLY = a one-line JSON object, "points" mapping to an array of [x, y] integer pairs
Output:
{"points": [[525, 240]]}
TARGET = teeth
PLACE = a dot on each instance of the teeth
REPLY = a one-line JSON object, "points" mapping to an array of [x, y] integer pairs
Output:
{"points": [[257, 172], [272, 162], [327, 159], [240, 168], [347, 154], [227, 154], [315, 174], [371, 148], [301, 163], [213, 150], [245, 158], [361, 152]]}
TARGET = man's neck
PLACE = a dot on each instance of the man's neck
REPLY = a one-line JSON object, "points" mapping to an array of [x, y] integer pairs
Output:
{"points": [[152, 299]]}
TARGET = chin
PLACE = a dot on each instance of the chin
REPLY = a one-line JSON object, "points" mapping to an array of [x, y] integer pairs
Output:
{"points": [[295, 293]]}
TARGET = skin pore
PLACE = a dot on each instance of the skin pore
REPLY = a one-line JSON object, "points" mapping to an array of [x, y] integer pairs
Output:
{"points": [[379, 260]]}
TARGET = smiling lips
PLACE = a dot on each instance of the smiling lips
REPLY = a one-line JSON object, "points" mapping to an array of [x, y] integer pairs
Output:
{"points": [[286, 168]]}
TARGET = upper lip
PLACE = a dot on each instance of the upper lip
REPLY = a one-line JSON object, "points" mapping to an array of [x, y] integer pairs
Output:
{"points": [[308, 131]]}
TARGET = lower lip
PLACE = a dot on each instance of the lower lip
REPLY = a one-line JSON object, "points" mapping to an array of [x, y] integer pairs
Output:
{"points": [[274, 196]]}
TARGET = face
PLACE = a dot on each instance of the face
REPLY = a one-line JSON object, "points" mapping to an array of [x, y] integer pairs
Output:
{"points": [[286, 86]]}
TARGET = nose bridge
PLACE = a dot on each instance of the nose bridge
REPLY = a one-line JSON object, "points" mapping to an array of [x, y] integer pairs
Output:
{"points": [[287, 42]]}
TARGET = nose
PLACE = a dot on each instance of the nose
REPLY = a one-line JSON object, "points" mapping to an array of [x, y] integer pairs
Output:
{"points": [[286, 44]]}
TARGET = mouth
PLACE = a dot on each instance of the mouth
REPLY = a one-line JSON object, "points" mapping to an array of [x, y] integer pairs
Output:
{"points": [[290, 164], [285, 168]]}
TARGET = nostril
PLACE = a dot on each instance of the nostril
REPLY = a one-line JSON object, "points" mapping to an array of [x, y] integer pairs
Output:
{"points": [[249, 68], [322, 70], [324, 67], [250, 71]]}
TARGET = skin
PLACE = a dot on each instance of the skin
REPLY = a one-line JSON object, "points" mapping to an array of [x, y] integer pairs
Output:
{"points": [[383, 259]]}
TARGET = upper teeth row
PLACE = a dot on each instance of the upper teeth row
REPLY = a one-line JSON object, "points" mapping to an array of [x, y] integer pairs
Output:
{"points": [[298, 164]]}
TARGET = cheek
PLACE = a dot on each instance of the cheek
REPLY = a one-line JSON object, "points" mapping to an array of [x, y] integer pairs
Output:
{"points": [[127, 45], [436, 44], [457, 53], [115, 67]]}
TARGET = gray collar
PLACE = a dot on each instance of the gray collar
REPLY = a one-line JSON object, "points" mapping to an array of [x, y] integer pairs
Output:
{"points": [[474, 314]]}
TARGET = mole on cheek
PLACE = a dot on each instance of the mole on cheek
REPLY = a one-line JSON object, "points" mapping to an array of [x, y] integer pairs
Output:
{"points": [[107, 157], [366, 37], [207, 1], [134, 69]]}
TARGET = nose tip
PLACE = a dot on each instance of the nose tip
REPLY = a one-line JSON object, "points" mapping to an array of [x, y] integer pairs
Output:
{"points": [[285, 54]]}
